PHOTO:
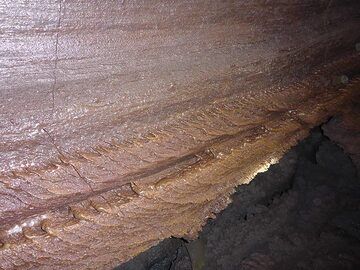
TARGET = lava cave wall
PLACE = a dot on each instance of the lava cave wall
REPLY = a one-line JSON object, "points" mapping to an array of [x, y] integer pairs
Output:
{"points": [[126, 122]]}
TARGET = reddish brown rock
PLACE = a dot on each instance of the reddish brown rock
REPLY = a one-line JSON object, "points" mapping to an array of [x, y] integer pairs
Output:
{"points": [[126, 122]]}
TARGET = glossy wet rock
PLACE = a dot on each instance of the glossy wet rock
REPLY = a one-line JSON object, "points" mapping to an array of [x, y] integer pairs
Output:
{"points": [[126, 122]]}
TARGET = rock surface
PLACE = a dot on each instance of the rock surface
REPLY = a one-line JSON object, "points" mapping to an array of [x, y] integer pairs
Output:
{"points": [[344, 129], [123, 123], [303, 213]]}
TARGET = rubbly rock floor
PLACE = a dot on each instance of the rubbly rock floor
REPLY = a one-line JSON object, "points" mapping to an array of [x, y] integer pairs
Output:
{"points": [[303, 213]]}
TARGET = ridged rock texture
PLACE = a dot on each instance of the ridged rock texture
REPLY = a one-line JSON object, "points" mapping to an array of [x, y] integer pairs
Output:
{"points": [[126, 122]]}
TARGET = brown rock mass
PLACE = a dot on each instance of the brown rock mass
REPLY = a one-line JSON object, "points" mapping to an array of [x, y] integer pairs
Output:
{"points": [[126, 122]]}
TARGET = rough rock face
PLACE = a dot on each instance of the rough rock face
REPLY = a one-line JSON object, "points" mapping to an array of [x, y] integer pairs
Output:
{"points": [[344, 129], [126, 122], [303, 213]]}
